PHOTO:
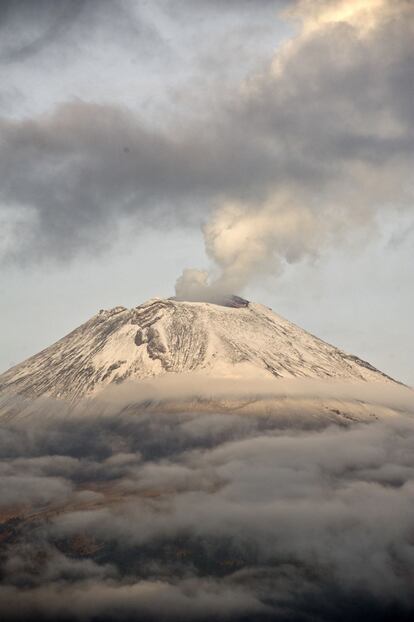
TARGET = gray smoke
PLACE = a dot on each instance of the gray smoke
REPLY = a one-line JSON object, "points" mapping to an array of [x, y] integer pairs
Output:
{"points": [[333, 117]]}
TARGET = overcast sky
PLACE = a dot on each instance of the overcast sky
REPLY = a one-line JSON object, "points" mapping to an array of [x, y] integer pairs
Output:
{"points": [[267, 143]]}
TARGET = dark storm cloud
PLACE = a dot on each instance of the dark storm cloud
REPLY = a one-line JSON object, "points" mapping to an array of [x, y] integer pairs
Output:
{"points": [[330, 126], [191, 516]]}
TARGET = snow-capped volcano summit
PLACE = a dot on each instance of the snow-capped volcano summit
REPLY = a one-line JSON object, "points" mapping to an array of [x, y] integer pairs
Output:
{"points": [[234, 339]]}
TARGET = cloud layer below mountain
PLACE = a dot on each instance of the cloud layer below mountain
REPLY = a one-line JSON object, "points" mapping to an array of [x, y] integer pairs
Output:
{"points": [[107, 515]]}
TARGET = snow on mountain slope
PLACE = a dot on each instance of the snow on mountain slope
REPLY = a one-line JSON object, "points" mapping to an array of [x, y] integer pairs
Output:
{"points": [[233, 340]]}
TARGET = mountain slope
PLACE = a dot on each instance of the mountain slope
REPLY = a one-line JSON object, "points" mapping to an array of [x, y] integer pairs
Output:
{"points": [[236, 339]]}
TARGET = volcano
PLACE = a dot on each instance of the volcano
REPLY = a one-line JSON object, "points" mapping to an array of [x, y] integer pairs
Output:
{"points": [[235, 339]]}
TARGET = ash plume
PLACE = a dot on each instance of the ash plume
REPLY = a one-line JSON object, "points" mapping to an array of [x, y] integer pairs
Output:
{"points": [[245, 241], [326, 182]]}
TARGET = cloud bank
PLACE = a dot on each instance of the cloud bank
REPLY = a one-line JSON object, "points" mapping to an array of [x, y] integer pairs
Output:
{"points": [[197, 516]]}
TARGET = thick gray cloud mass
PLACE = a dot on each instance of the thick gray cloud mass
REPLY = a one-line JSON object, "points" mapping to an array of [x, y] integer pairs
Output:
{"points": [[80, 170], [29, 28], [200, 516], [33, 25], [312, 148]]}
